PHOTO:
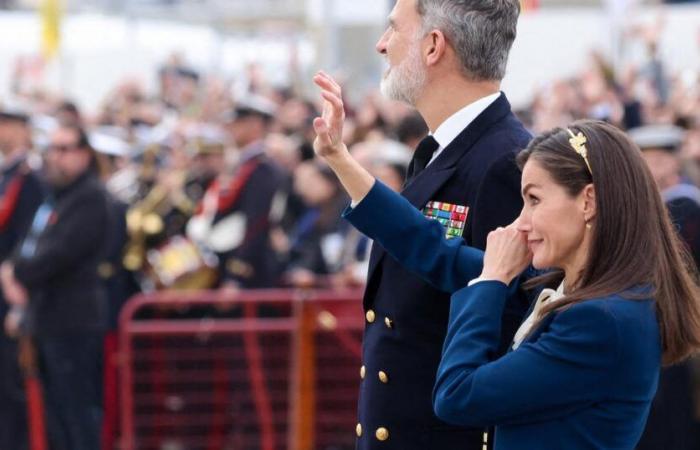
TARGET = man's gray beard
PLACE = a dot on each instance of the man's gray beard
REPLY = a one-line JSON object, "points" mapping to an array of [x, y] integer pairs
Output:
{"points": [[405, 82]]}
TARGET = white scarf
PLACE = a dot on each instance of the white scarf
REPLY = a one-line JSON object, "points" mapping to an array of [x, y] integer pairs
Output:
{"points": [[545, 297]]}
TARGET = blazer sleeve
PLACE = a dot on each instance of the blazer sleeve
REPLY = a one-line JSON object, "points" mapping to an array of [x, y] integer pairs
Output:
{"points": [[569, 367], [416, 242]]}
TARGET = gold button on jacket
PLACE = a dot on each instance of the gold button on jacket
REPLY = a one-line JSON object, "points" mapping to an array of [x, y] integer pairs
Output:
{"points": [[383, 377], [370, 316], [363, 370], [388, 322], [358, 430], [382, 434]]}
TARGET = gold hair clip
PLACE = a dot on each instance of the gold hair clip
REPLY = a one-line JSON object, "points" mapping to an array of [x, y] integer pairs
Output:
{"points": [[578, 142]]}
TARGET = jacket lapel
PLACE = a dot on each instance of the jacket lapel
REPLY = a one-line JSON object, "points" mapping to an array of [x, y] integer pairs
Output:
{"points": [[421, 189]]}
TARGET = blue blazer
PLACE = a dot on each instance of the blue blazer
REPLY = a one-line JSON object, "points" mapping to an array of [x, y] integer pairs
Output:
{"points": [[583, 379]]}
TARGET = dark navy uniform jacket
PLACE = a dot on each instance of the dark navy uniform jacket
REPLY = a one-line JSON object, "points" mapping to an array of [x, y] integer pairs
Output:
{"points": [[21, 194], [252, 263], [407, 317]]}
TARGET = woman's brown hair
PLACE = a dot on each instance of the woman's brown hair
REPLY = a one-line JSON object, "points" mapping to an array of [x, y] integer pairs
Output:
{"points": [[634, 243]]}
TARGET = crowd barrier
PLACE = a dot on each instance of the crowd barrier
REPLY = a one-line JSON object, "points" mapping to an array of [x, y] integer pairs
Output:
{"points": [[252, 370]]}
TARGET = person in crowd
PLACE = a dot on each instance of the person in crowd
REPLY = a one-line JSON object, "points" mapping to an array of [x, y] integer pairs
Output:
{"points": [[54, 275], [617, 292], [21, 193], [233, 220], [314, 244], [672, 421]]}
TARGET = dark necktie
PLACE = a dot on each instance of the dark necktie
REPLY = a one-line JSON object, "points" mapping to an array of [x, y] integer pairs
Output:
{"points": [[421, 158]]}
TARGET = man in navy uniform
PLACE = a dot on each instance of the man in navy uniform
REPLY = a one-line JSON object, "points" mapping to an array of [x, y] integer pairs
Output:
{"points": [[20, 196], [234, 218], [446, 58]]}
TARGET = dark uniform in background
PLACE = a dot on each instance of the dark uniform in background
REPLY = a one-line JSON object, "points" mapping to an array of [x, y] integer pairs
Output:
{"points": [[473, 187], [672, 423], [233, 220], [20, 196], [240, 226]]}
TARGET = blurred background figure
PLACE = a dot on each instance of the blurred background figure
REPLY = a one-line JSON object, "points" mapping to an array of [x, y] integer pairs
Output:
{"points": [[312, 247], [233, 218], [21, 194], [672, 420], [54, 276]]}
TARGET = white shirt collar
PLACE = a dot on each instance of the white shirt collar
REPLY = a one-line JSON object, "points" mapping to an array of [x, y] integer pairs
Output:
{"points": [[457, 122]]}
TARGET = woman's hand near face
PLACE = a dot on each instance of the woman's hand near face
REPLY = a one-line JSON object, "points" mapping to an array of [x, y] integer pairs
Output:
{"points": [[329, 144], [507, 254]]}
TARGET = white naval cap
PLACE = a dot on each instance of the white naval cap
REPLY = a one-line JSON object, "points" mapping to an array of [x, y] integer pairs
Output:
{"points": [[664, 137]]}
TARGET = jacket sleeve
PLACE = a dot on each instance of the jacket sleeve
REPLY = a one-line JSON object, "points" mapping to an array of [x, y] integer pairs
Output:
{"points": [[77, 233], [416, 242], [569, 367]]}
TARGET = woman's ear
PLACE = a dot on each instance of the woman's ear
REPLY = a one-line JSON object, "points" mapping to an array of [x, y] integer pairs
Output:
{"points": [[588, 200]]}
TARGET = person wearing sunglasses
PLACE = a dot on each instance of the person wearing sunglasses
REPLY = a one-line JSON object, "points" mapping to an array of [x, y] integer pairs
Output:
{"points": [[56, 267]]}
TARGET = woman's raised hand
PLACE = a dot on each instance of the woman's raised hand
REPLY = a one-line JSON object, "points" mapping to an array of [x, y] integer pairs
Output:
{"points": [[507, 254], [329, 127], [329, 141]]}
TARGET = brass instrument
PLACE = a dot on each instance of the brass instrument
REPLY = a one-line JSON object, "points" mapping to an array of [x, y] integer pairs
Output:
{"points": [[173, 262]]}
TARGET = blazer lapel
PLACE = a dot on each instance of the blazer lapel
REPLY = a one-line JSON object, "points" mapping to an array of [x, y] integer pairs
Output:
{"points": [[420, 190]]}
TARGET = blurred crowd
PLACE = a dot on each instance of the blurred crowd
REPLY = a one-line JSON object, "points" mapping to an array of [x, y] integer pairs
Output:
{"points": [[212, 184]]}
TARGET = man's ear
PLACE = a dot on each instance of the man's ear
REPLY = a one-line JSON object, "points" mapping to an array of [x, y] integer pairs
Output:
{"points": [[435, 47]]}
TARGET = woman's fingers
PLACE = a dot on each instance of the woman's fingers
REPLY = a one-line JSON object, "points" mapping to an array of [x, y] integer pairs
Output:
{"points": [[335, 102], [329, 126], [321, 129], [336, 87], [325, 82], [507, 254]]}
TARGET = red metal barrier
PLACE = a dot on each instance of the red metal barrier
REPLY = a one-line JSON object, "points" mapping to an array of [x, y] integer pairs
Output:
{"points": [[262, 370]]}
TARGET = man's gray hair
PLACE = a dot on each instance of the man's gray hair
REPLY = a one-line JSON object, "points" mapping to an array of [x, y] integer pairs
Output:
{"points": [[480, 31]]}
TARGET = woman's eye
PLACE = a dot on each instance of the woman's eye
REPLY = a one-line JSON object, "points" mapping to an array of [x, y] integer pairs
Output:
{"points": [[533, 200]]}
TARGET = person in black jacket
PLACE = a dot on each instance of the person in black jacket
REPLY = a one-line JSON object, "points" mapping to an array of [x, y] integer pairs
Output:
{"points": [[54, 273], [20, 196]]}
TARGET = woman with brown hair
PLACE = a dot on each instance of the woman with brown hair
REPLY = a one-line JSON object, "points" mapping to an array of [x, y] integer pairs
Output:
{"points": [[617, 296]]}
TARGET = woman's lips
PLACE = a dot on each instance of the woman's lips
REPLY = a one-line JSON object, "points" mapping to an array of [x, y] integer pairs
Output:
{"points": [[533, 243]]}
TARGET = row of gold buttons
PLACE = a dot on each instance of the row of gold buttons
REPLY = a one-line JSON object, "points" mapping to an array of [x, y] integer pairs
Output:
{"points": [[381, 434], [383, 377], [371, 317]]}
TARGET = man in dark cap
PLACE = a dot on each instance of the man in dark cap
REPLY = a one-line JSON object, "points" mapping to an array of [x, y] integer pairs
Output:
{"points": [[53, 274], [234, 218], [671, 422], [20, 196]]}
